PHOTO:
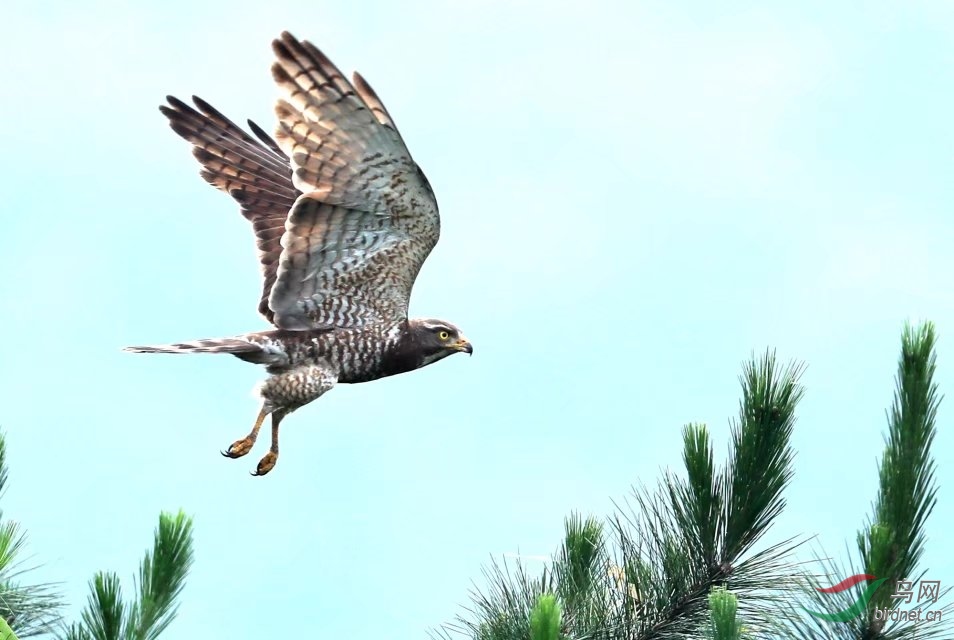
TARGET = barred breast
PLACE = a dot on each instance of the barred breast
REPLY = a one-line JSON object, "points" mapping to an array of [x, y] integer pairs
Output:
{"points": [[357, 355]]}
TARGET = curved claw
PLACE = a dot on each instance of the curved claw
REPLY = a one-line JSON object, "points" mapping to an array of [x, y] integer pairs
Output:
{"points": [[239, 448], [266, 464]]}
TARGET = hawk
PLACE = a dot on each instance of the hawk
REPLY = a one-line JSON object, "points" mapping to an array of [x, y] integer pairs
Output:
{"points": [[343, 220]]}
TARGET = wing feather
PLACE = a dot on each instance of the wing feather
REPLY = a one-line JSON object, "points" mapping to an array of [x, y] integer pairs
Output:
{"points": [[373, 101], [367, 219], [343, 216], [255, 173]]}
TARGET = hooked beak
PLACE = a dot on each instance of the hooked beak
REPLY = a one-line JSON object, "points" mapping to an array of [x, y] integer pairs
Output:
{"points": [[463, 345]]}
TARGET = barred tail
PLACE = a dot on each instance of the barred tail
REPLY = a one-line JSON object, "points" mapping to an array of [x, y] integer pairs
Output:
{"points": [[235, 346]]}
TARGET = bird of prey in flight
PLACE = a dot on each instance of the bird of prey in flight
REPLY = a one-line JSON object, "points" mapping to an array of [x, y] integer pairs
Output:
{"points": [[343, 220]]}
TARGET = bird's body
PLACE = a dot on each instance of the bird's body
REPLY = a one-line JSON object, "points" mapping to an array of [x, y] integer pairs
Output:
{"points": [[352, 355], [343, 218]]}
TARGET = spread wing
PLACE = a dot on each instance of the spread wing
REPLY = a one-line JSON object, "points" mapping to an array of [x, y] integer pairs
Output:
{"points": [[366, 219], [256, 173]]}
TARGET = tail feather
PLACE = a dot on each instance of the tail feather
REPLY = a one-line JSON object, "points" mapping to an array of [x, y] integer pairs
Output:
{"points": [[234, 346]]}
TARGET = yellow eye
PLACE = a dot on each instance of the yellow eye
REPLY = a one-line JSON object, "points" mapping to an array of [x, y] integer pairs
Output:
{"points": [[443, 335]]}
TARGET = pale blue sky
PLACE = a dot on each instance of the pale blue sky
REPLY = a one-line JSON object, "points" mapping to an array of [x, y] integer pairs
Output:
{"points": [[635, 196]]}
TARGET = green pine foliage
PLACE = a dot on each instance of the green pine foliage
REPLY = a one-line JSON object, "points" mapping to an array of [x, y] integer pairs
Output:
{"points": [[686, 560], [6, 633], [890, 545], [160, 581], [724, 621], [648, 570], [30, 609], [545, 619]]}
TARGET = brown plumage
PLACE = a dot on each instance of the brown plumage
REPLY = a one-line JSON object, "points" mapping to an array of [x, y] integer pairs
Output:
{"points": [[343, 220]]}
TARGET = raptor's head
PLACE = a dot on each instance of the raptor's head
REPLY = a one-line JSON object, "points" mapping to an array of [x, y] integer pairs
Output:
{"points": [[432, 340]]}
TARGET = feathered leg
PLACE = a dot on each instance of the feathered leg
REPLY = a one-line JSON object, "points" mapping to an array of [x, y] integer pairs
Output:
{"points": [[281, 394], [240, 447], [269, 459]]}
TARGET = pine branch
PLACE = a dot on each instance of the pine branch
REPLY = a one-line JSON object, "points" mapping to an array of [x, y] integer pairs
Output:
{"points": [[694, 534], [697, 504], [545, 619], [652, 577], [724, 623], [891, 544], [161, 580], [162, 577], [578, 567], [761, 462], [30, 609], [75, 632], [103, 615]]}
